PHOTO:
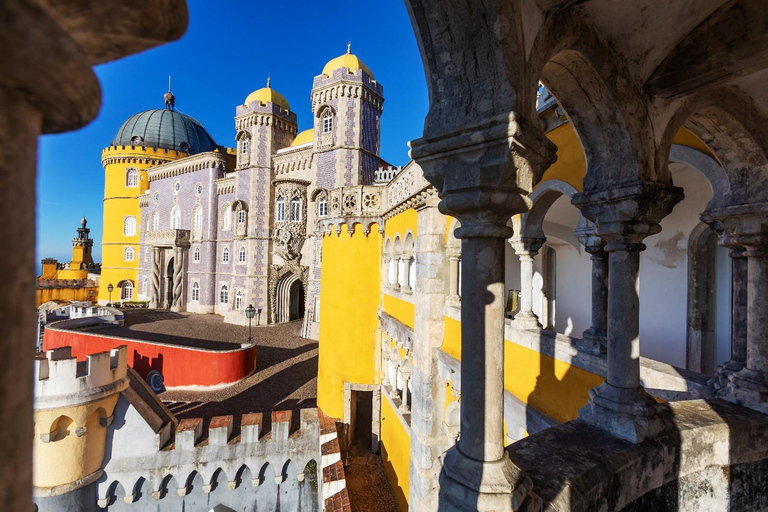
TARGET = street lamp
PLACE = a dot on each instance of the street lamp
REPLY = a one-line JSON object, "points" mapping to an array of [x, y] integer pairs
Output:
{"points": [[250, 312], [109, 289]]}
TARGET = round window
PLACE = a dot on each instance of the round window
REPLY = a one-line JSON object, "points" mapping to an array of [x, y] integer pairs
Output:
{"points": [[184, 147], [199, 189], [177, 186]]}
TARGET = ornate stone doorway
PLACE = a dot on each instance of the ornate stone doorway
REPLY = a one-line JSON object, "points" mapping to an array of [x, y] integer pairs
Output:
{"points": [[289, 298], [169, 284]]}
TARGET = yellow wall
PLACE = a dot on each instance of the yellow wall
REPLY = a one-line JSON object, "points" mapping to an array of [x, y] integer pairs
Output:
{"points": [[395, 452], [684, 137], [401, 223], [68, 457], [400, 309], [570, 166], [121, 201], [350, 287], [552, 387], [66, 294]]}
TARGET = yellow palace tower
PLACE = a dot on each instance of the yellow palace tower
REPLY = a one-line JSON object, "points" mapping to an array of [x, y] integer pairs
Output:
{"points": [[146, 139]]}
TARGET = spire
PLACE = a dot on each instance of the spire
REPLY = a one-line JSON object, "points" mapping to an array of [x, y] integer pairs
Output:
{"points": [[168, 98], [269, 82], [349, 47]]}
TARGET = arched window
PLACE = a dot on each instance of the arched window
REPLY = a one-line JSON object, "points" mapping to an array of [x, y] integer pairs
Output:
{"points": [[156, 221], [240, 216], [238, 300], [176, 218], [327, 121], [126, 292], [280, 207], [295, 209], [195, 291], [392, 271], [228, 218], [198, 219], [145, 285], [224, 294], [132, 178], [322, 207], [129, 226], [225, 255], [128, 254], [412, 272], [196, 254], [241, 254], [244, 145]]}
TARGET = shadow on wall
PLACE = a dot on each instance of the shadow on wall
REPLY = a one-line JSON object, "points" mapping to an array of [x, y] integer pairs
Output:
{"points": [[145, 364]]}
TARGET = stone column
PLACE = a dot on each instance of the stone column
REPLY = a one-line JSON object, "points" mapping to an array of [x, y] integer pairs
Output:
{"points": [[408, 288], [483, 174], [526, 249], [396, 284], [625, 215], [595, 338], [749, 386], [453, 299], [178, 279], [154, 300]]}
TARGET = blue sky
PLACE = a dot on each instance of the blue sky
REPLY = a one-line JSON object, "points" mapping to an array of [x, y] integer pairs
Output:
{"points": [[228, 50]]}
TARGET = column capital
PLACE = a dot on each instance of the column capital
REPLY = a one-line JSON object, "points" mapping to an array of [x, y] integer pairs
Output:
{"points": [[484, 172], [625, 215], [525, 246], [741, 228]]}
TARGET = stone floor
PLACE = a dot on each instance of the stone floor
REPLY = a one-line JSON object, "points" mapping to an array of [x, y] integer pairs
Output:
{"points": [[367, 484]]}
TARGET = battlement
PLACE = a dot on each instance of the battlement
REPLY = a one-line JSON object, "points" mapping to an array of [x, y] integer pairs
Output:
{"points": [[141, 151], [216, 451], [61, 380], [384, 175]]}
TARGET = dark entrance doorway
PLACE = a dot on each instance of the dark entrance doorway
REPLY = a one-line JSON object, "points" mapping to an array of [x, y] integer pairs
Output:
{"points": [[169, 289], [362, 419], [296, 294]]}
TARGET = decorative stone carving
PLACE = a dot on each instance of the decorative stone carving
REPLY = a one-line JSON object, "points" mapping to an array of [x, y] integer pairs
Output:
{"points": [[290, 233], [288, 240], [276, 273]]}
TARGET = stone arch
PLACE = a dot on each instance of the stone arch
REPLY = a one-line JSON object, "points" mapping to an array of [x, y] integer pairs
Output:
{"points": [[736, 132], [243, 476], [608, 114], [543, 198], [288, 292]]}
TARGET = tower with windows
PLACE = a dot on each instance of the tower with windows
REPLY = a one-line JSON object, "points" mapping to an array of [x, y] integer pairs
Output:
{"points": [[347, 105]]}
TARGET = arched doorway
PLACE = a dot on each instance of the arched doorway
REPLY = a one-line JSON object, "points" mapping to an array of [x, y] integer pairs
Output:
{"points": [[289, 298]]}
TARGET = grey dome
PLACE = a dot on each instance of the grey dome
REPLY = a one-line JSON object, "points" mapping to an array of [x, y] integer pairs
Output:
{"points": [[164, 128]]}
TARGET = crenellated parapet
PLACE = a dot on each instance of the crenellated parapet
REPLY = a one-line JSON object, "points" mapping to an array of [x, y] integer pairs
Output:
{"points": [[214, 455], [62, 381], [209, 160], [138, 155]]}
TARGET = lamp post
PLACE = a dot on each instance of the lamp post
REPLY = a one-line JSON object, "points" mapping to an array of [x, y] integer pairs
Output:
{"points": [[109, 289], [250, 312]]}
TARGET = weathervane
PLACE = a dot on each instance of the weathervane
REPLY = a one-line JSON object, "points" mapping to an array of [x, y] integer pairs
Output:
{"points": [[349, 47], [169, 98]]}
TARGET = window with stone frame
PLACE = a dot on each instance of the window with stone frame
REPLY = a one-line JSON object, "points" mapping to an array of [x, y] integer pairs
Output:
{"points": [[156, 221], [224, 294], [240, 216], [322, 207], [225, 255], [241, 254], [195, 291], [198, 219], [132, 178], [238, 300], [196, 255], [328, 121], [126, 292], [295, 209], [129, 226], [145, 285], [280, 209], [128, 254], [175, 217]]}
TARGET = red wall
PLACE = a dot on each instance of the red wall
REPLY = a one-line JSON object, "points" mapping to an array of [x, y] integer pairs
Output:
{"points": [[180, 366]]}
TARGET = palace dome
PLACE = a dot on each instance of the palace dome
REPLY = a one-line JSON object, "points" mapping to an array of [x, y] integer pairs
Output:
{"points": [[266, 94], [304, 137], [166, 129], [349, 60]]}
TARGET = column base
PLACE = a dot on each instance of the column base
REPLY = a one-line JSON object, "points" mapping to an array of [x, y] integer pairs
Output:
{"points": [[527, 320], [595, 340], [176, 308], [154, 305], [747, 388], [467, 484], [629, 414], [720, 381]]}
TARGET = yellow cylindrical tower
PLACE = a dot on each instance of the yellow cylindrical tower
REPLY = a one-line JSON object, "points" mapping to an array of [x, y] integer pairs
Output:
{"points": [[146, 139]]}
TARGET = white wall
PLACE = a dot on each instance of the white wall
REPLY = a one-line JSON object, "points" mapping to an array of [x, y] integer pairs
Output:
{"points": [[664, 272]]}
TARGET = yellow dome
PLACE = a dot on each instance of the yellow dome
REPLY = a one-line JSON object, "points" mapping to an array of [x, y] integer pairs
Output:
{"points": [[266, 94], [349, 61], [304, 137]]}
